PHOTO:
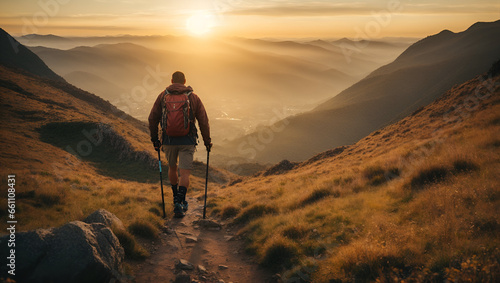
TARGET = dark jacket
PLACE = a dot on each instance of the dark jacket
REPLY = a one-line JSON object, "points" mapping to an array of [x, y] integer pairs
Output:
{"points": [[197, 106]]}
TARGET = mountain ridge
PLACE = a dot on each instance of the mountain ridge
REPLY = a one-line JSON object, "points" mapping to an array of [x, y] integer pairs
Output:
{"points": [[417, 77], [14, 54]]}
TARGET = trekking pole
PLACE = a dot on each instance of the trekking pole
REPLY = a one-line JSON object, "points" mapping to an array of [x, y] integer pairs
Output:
{"points": [[206, 185], [161, 185]]}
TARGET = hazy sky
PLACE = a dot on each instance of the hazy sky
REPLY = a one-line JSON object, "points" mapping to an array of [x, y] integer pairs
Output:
{"points": [[246, 18]]}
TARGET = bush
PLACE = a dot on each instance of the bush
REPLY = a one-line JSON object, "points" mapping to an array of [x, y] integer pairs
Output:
{"points": [[376, 175], [316, 195], [156, 211], [295, 232], [143, 229], [280, 252], [462, 166], [132, 249], [48, 199], [253, 212], [229, 211], [434, 174]]}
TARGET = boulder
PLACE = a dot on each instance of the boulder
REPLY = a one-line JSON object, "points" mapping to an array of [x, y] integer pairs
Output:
{"points": [[104, 217], [76, 252]]}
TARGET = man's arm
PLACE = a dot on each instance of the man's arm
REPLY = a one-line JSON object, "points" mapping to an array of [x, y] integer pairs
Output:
{"points": [[202, 117], [155, 117]]}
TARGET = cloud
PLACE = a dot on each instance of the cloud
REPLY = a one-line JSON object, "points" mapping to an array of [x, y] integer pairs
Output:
{"points": [[298, 10], [357, 8]]}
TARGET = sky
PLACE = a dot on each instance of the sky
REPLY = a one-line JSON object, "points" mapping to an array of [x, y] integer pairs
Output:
{"points": [[245, 18]]}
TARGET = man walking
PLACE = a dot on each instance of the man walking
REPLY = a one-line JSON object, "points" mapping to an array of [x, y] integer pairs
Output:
{"points": [[176, 110]]}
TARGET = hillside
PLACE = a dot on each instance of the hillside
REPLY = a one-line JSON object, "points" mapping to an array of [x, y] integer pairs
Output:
{"points": [[73, 153], [417, 200], [14, 54], [416, 78]]}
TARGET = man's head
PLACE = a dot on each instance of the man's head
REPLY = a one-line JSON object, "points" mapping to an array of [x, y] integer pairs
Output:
{"points": [[178, 78]]}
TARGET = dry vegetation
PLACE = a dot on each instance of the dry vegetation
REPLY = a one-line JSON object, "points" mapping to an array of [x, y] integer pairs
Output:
{"points": [[417, 201], [54, 185]]}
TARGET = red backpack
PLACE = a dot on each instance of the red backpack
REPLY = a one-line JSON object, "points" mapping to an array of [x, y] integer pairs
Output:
{"points": [[176, 114]]}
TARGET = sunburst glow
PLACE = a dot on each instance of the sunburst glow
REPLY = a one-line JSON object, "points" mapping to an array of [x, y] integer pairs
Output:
{"points": [[200, 23]]}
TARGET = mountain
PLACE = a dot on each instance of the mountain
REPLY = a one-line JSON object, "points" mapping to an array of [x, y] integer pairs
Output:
{"points": [[416, 78], [232, 76], [14, 54], [49, 124]]}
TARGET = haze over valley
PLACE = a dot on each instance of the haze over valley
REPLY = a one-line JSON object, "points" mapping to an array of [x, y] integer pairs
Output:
{"points": [[243, 82]]}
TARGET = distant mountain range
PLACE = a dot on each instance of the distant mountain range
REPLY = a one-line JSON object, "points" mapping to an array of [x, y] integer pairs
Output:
{"points": [[416, 78], [49, 124], [240, 81]]}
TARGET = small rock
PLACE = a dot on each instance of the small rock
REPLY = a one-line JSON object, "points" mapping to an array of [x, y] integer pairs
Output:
{"points": [[228, 238], [202, 269], [223, 267], [183, 264], [185, 233], [221, 281], [183, 277], [191, 239], [182, 224]]}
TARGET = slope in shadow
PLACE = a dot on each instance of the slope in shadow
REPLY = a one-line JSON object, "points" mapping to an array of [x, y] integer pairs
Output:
{"points": [[97, 143]]}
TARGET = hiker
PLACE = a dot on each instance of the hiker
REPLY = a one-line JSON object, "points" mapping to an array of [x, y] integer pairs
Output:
{"points": [[176, 110]]}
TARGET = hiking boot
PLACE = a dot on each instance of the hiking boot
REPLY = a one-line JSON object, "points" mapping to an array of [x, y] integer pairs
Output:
{"points": [[178, 210], [184, 205]]}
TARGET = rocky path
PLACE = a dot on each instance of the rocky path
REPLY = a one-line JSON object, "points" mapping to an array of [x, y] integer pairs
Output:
{"points": [[195, 250]]}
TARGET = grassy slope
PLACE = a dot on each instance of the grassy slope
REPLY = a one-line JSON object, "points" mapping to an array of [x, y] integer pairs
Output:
{"points": [[418, 199], [40, 119]]}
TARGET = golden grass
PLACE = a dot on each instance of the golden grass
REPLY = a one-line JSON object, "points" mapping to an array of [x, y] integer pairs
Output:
{"points": [[399, 205], [45, 200]]}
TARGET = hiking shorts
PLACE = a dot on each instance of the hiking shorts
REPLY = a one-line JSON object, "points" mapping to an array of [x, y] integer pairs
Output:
{"points": [[183, 153]]}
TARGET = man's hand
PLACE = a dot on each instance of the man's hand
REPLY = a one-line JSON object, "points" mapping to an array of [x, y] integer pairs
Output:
{"points": [[156, 144], [209, 147]]}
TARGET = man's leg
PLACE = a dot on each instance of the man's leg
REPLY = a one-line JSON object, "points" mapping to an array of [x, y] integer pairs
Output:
{"points": [[172, 153], [184, 182], [186, 154], [174, 179]]}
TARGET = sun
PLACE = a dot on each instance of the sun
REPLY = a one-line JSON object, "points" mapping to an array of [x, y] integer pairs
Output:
{"points": [[200, 23]]}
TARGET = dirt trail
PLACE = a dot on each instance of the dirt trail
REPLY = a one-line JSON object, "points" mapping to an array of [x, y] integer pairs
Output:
{"points": [[215, 249]]}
